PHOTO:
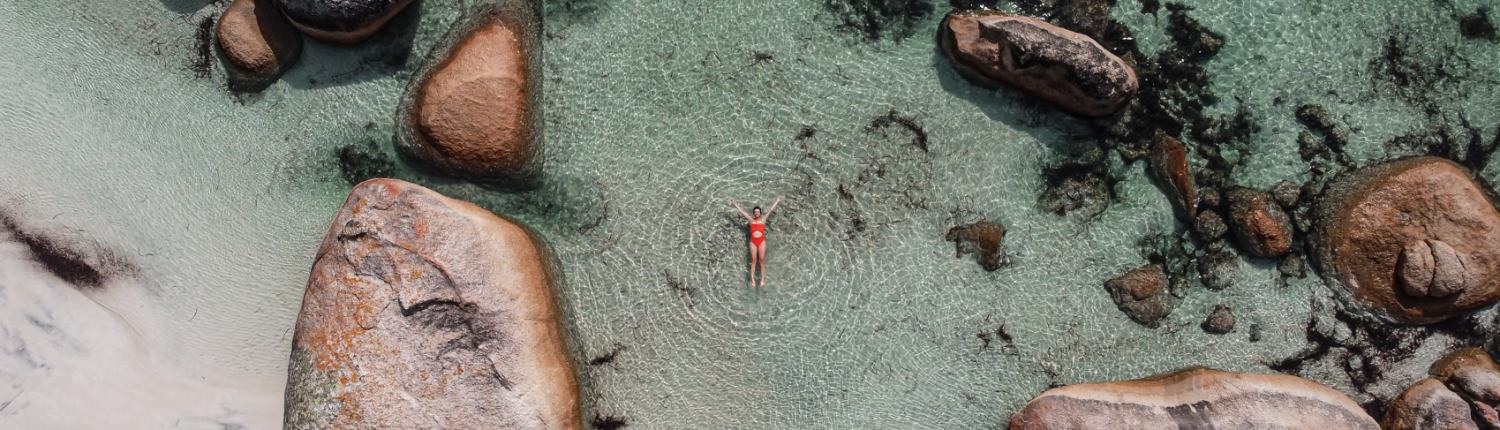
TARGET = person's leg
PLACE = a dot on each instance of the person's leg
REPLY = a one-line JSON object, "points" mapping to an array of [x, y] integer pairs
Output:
{"points": [[762, 265], [754, 256]]}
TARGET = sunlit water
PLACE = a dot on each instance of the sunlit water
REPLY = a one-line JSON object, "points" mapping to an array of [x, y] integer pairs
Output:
{"points": [[656, 113]]}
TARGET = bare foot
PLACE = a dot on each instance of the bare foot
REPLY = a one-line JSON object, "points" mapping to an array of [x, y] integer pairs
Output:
{"points": [[762, 282]]}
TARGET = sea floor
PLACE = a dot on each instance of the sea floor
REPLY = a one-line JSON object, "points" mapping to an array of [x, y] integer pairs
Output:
{"points": [[118, 138]]}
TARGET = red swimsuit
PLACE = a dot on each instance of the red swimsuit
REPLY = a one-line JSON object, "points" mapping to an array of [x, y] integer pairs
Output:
{"points": [[757, 234]]}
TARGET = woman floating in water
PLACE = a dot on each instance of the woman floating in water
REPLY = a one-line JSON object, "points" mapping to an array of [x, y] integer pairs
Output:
{"points": [[757, 238]]}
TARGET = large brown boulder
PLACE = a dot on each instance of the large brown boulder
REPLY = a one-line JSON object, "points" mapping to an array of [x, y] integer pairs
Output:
{"points": [[428, 312], [257, 43], [476, 114], [1194, 398], [342, 21], [1050, 62], [1414, 240]]}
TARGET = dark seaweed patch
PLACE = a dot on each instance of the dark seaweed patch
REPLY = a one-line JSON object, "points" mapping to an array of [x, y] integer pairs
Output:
{"points": [[611, 422], [202, 62], [1078, 183], [358, 163], [919, 135], [609, 357], [1415, 70], [67, 262], [1477, 25], [876, 19]]}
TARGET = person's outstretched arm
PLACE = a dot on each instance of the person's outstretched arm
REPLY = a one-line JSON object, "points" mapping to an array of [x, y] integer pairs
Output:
{"points": [[738, 208], [773, 207]]}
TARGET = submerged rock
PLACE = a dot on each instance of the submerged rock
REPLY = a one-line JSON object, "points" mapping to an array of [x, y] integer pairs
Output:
{"points": [[1428, 405], [1218, 269], [474, 111], [1414, 240], [257, 42], [425, 311], [1209, 225], [341, 21], [1220, 321], [1050, 62], [1194, 399], [1143, 294], [1169, 164], [1259, 225], [984, 239]]}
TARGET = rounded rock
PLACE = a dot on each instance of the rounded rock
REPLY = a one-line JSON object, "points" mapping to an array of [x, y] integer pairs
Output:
{"points": [[1366, 231], [1259, 225], [1220, 321], [1415, 268], [1428, 405], [341, 21], [474, 111], [1066, 68], [1142, 294], [257, 43], [1449, 276], [1194, 398]]}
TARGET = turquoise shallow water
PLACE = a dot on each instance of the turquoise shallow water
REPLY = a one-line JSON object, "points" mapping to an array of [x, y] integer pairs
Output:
{"points": [[656, 112]]}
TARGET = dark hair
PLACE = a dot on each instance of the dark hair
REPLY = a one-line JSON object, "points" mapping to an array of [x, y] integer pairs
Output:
{"points": [[755, 209]]}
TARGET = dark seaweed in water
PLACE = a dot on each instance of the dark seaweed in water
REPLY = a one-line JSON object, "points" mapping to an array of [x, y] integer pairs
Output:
{"points": [[919, 135], [1477, 25], [64, 262], [203, 47], [611, 422], [359, 163], [1367, 349], [1078, 183], [875, 19], [1416, 71]]}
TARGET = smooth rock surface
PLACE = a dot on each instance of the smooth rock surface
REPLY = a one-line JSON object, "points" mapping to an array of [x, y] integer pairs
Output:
{"points": [[257, 42], [424, 311], [1169, 165], [1143, 294], [1428, 405], [1194, 399], [1050, 62], [1370, 217], [476, 114], [341, 21], [1259, 225]]}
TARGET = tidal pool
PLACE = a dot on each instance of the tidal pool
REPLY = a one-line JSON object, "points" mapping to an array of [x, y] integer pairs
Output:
{"points": [[121, 140]]}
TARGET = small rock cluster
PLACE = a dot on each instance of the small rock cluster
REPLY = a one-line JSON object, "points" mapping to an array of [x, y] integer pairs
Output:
{"points": [[261, 39], [1461, 392]]}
